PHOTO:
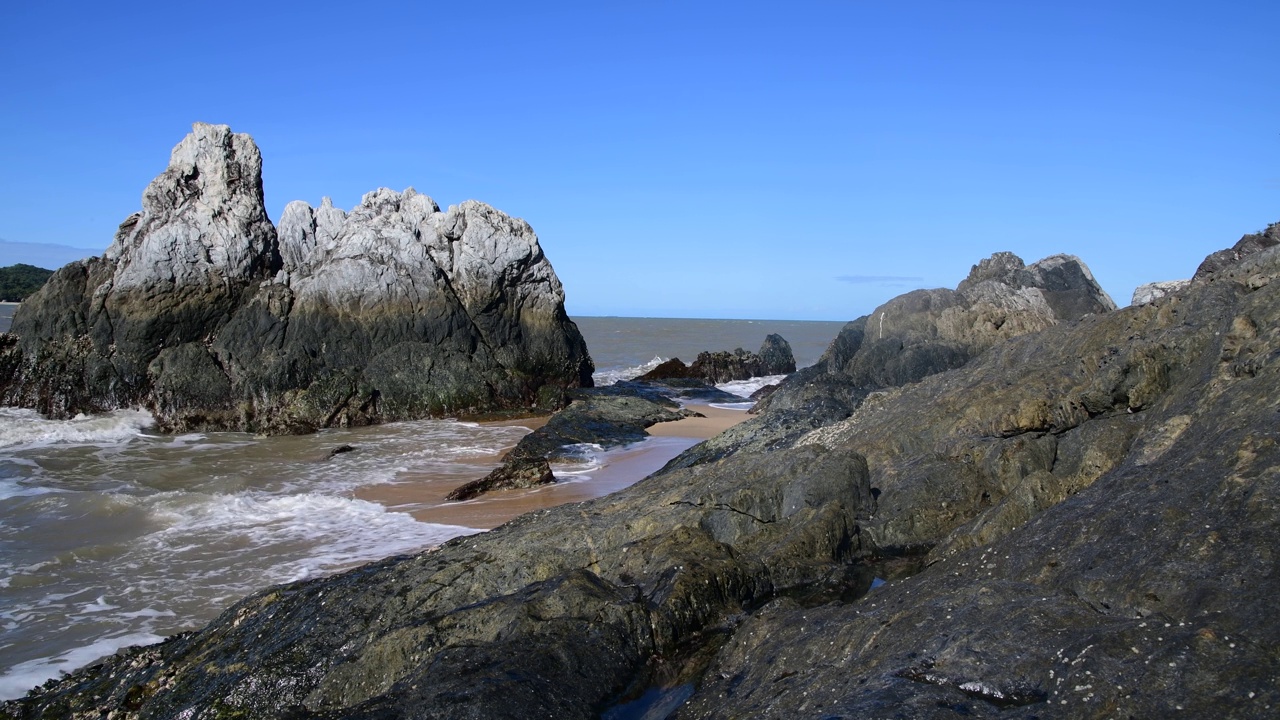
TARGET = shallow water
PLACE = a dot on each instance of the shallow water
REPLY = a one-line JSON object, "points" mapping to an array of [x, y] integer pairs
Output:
{"points": [[112, 535]]}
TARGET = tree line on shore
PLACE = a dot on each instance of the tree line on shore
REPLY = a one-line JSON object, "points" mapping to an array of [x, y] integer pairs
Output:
{"points": [[17, 282]]}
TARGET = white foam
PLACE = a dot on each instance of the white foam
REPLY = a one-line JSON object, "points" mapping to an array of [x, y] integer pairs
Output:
{"points": [[587, 458], [21, 428], [192, 523], [26, 675], [610, 376], [744, 388], [743, 406], [338, 532]]}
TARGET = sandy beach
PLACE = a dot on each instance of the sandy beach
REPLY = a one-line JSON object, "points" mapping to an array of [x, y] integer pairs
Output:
{"points": [[422, 495]]}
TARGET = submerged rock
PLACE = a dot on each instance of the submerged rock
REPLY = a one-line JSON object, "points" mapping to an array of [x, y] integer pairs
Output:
{"points": [[210, 317]]}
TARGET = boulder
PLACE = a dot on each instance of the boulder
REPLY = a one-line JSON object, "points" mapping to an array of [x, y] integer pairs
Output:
{"points": [[212, 318], [667, 370], [516, 474]]}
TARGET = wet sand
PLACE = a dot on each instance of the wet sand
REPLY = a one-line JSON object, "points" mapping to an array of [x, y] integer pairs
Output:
{"points": [[422, 495]]}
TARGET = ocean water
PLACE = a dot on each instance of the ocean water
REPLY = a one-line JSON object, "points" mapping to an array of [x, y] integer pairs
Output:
{"points": [[113, 535], [624, 348], [6, 316]]}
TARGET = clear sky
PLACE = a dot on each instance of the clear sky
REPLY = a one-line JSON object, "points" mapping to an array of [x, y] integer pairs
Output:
{"points": [[803, 160]]}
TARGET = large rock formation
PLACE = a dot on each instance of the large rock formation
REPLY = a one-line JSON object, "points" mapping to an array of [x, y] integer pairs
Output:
{"points": [[913, 336], [210, 317], [1078, 522]]}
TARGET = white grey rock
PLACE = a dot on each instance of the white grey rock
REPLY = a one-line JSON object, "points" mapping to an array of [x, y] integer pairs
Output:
{"points": [[202, 220], [1151, 292]]}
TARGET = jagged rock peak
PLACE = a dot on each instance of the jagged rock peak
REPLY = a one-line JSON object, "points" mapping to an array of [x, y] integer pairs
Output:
{"points": [[203, 220], [1001, 266]]}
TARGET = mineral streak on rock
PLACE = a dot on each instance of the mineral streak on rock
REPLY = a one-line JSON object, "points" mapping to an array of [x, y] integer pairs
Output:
{"points": [[212, 318]]}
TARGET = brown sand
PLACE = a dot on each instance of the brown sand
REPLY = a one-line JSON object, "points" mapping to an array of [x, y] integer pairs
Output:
{"points": [[716, 421], [422, 494]]}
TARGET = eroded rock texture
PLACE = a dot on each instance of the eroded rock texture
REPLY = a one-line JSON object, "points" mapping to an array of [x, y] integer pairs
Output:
{"points": [[211, 317]]}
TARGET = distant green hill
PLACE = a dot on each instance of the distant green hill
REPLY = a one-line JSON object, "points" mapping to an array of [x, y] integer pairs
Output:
{"points": [[19, 281]]}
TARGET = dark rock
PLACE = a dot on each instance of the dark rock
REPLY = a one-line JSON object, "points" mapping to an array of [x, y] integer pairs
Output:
{"points": [[212, 318], [1245, 246], [341, 449], [515, 474], [673, 368], [763, 392], [688, 389], [774, 358]]}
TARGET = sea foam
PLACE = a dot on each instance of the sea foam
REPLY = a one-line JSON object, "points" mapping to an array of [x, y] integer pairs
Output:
{"points": [[21, 428], [603, 378]]}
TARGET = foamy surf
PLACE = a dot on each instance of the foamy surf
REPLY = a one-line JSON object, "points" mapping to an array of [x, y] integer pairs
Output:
{"points": [[745, 388], [21, 428], [111, 536], [20, 678], [603, 378]]}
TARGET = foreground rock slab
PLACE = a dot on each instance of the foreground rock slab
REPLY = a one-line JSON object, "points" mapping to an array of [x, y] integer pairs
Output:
{"points": [[206, 314]]}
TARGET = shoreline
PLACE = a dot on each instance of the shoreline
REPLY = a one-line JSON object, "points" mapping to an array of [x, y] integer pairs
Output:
{"points": [[422, 495]]}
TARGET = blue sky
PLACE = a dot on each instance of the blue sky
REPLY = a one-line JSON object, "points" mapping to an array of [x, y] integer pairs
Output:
{"points": [[751, 160]]}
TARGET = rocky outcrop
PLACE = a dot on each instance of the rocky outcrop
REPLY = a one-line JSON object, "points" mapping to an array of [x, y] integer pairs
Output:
{"points": [[775, 358], [1245, 246], [208, 315], [911, 337], [1076, 523]]}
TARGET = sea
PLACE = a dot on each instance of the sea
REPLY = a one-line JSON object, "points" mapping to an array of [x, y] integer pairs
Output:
{"points": [[114, 535]]}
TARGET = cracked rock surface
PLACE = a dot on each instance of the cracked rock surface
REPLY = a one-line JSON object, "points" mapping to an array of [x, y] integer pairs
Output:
{"points": [[212, 318]]}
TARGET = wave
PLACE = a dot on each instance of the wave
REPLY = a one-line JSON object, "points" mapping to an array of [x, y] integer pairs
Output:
{"points": [[190, 566], [21, 428], [745, 388], [603, 378], [25, 675]]}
